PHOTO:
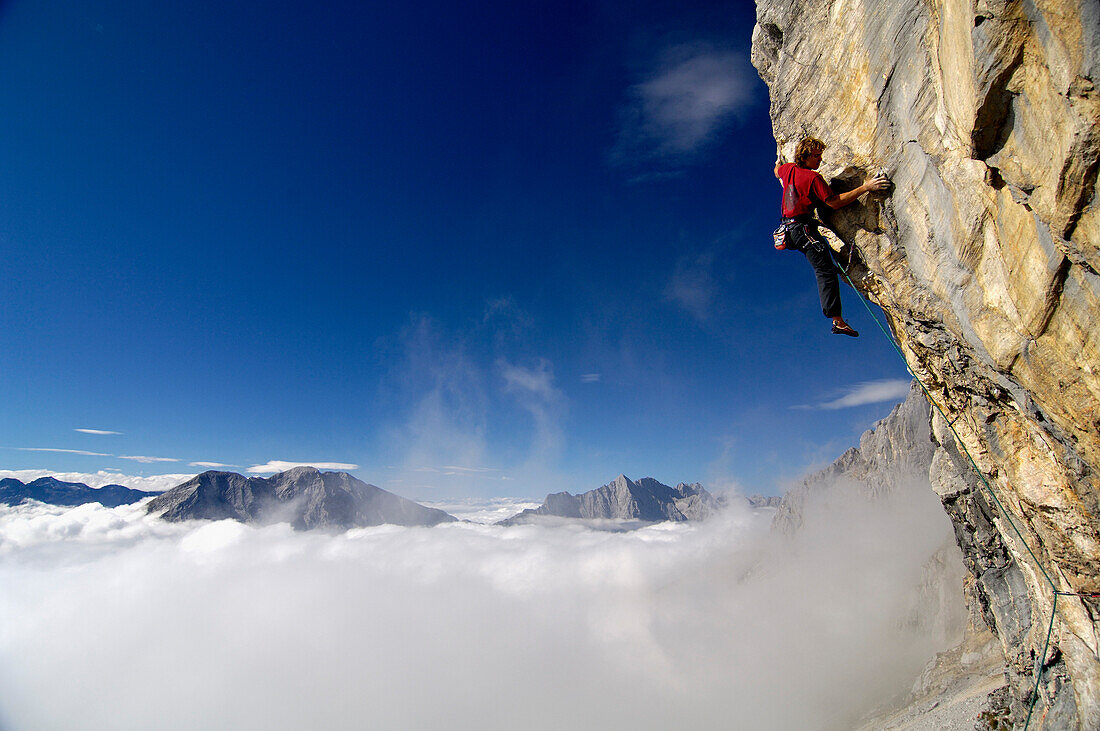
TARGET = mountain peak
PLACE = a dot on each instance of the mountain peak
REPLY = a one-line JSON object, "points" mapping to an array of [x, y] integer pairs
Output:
{"points": [[302, 469], [623, 499], [302, 496]]}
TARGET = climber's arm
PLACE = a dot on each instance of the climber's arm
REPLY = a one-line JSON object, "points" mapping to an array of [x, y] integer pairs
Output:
{"points": [[849, 196]]}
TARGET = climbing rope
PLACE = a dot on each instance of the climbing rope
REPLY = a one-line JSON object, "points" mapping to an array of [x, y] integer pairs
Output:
{"points": [[1041, 659]]}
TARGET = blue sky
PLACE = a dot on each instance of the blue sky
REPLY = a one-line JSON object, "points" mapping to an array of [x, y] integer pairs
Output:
{"points": [[469, 251]]}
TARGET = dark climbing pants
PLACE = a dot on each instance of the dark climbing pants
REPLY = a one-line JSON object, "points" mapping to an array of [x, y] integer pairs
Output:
{"points": [[806, 238]]}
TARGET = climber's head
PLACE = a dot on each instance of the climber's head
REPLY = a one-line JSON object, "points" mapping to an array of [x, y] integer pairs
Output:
{"points": [[808, 152]]}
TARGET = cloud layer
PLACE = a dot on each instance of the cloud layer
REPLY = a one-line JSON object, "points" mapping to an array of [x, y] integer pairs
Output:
{"points": [[219, 625]]}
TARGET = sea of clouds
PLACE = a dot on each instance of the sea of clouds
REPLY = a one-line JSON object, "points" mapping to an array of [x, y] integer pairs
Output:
{"points": [[111, 619]]}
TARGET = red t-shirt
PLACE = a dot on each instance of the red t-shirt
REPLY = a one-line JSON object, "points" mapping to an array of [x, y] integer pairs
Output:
{"points": [[810, 189]]}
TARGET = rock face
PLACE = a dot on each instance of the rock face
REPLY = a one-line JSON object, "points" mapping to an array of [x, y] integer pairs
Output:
{"points": [[303, 496], [623, 499], [895, 453], [984, 257], [55, 492]]}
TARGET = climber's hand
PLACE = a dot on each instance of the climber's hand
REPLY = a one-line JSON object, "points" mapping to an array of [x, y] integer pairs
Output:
{"points": [[877, 183]]}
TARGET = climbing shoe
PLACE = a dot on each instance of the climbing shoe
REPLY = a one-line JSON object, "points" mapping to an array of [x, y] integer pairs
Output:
{"points": [[844, 330]]}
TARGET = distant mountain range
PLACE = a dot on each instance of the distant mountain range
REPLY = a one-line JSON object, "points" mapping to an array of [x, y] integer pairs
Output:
{"points": [[624, 499], [304, 497], [307, 498], [55, 492]]}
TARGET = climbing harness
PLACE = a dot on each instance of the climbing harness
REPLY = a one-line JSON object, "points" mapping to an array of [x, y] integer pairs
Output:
{"points": [[1041, 659]]}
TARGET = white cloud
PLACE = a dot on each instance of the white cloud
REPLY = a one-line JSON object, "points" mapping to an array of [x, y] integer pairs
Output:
{"points": [[63, 451], [693, 94], [686, 626], [279, 466], [871, 392], [210, 465], [96, 431], [150, 483], [148, 460]]}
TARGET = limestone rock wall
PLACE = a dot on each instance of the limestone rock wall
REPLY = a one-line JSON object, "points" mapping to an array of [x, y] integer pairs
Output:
{"points": [[984, 256]]}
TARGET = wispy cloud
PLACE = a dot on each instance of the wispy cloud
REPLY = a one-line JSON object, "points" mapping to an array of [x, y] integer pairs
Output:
{"points": [[148, 460], [280, 466], [449, 387], [692, 94], [868, 392], [537, 381], [591, 377], [211, 465], [455, 470], [535, 391], [693, 286], [102, 432], [63, 451], [438, 388], [85, 453]]}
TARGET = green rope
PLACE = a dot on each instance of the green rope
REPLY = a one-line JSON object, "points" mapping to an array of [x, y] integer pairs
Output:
{"points": [[1040, 661]]}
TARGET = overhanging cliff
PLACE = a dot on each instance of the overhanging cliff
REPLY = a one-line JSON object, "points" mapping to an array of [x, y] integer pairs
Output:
{"points": [[984, 257]]}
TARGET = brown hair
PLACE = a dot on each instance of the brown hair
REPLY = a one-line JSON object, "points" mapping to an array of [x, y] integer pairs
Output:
{"points": [[808, 146]]}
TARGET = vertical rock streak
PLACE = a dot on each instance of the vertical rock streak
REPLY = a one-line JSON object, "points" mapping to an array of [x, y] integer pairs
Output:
{"points": [[984, 257]]}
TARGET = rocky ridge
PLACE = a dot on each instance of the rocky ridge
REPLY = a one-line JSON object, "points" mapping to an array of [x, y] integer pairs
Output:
{"points": [[984, 257], [624, 499], [303, 496]]}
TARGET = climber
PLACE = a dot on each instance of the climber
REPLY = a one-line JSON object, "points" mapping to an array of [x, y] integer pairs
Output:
{"points": [[803, 190]]}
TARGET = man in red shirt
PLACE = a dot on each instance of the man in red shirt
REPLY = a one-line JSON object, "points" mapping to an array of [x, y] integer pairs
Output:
{"points": [[803, 190]]}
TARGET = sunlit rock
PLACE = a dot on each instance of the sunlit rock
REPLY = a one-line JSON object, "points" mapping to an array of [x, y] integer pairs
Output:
{"points": [[984, 256]]}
